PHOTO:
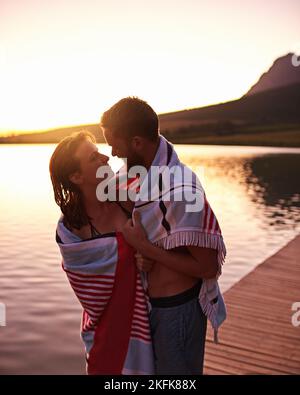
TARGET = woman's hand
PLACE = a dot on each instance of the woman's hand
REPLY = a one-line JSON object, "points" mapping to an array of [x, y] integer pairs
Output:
{"points": [[135, 234], [143, 264]]}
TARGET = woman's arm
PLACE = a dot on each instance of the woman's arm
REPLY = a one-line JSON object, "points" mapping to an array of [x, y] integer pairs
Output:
{"points": [[194, 261]]}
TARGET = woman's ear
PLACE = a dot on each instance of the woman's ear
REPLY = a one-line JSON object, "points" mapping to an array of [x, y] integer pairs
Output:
{"points": [[76, 178]]}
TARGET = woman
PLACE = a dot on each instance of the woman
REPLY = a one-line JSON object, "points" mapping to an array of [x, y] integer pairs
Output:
{"points": [[99, 264]]}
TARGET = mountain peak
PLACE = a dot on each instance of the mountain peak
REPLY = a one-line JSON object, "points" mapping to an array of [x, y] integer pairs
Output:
{"points": [[281, 73]]}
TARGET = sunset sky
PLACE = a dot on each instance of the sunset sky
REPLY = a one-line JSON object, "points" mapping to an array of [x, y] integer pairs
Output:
{"points": [[63, 62]]}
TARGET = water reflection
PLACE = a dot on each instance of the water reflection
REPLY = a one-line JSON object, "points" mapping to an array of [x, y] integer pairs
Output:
{"points": [[269, 180], [255, 195], [274, 181]]}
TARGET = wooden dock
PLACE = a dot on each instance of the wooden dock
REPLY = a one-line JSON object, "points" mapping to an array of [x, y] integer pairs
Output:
{"points": [[258, 336]]}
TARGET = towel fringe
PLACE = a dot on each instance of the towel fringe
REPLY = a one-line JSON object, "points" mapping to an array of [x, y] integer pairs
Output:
{"points": [[195, 238], [209, 309]]}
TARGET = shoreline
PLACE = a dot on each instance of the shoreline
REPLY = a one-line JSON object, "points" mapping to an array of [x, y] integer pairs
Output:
{"points": [[175, 143]]}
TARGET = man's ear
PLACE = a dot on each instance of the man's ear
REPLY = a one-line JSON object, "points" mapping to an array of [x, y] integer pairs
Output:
{"points": [[76, 178], [137, 143]]}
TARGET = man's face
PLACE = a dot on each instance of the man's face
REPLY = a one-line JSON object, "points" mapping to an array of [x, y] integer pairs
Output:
{"points": [[122, 148]]}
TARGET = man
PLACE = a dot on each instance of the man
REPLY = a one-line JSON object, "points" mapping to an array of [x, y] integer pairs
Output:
{"points": [[176, 281]]}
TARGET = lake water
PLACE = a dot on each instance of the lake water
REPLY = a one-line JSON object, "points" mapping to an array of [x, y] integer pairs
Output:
{"points": [[254, 192]]}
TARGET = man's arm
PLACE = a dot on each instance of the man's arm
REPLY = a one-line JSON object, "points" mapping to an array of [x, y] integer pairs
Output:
{"points": [[195, 262], [192, 261]]}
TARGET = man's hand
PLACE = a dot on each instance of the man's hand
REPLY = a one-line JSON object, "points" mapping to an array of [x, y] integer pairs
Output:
{"points": [[143, 264], [134, 233]]}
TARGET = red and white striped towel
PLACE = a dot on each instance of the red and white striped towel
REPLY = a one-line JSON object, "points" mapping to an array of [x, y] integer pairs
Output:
{"points": [[115, 326]]}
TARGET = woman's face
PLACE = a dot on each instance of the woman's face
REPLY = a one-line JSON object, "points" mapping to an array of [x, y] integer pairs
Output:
{"points": [[90, 160]]}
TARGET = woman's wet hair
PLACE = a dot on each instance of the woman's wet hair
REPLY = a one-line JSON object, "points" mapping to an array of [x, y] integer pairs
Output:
{"points": [[63, 164]]}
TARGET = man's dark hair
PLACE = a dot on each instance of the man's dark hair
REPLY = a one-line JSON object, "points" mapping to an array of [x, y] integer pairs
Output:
{"points": [[131, 117]]}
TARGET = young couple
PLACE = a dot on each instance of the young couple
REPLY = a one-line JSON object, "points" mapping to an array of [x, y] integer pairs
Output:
{"points": [[144, 271]]}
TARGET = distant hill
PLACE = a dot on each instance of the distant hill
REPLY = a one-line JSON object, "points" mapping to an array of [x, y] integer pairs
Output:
{"points": [[52, 136], [271, 117], [281, 73], [271, 106], [268, 114]]}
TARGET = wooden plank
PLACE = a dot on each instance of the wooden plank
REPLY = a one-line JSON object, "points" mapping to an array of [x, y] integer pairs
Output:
{"points": [[284, 365], [279, 350], [238, 367], [258, 336], [242, 347]]}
